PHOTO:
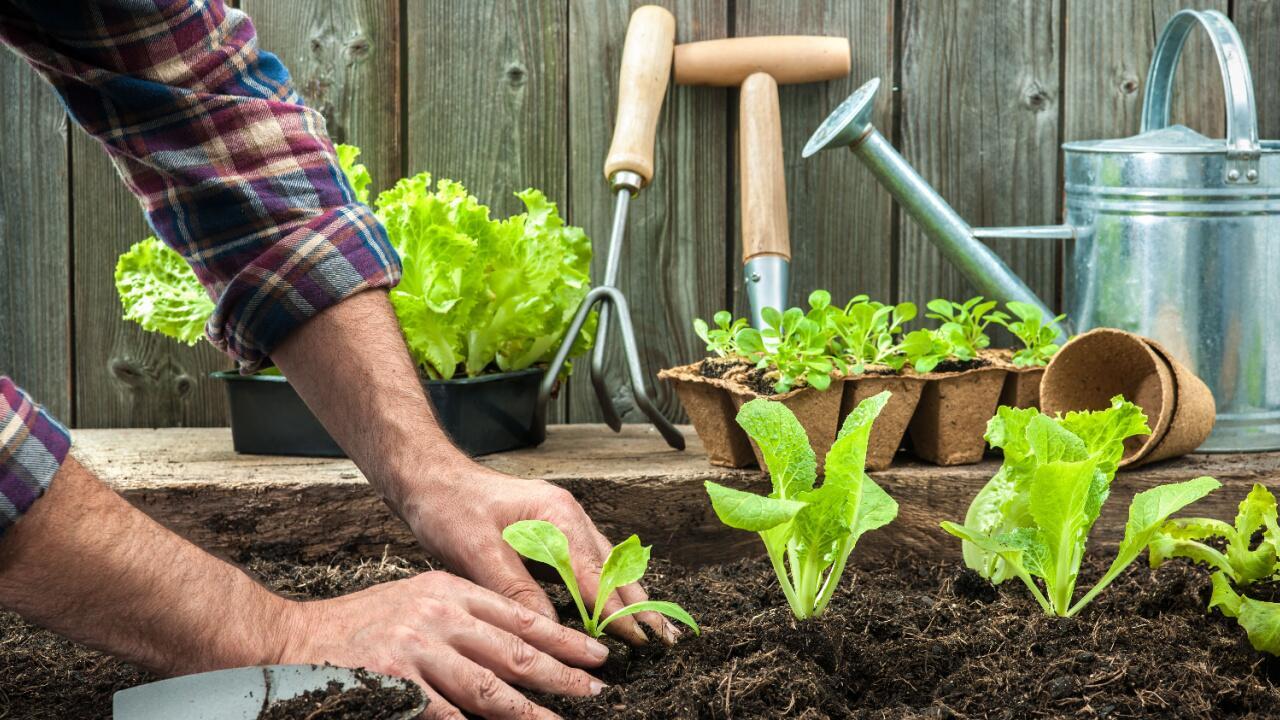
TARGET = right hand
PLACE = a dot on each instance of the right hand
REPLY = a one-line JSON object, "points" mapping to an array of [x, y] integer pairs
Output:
{"points": [[464, 645]]}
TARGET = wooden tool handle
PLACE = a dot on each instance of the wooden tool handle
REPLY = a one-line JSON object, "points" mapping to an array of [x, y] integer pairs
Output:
{"points": [[642, 85], [763, 184], [788, 58]]}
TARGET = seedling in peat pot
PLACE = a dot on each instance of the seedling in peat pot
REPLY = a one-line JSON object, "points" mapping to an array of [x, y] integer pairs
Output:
{"points": [[1032, 520], [543, 542], [1038, 337], [972, 318], [1240, 563], [868, 332], [795, 345], [808, 532], [722, 339]]}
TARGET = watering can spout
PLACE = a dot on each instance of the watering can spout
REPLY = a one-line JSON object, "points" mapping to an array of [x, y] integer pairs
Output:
{"points": [[850, 126]]}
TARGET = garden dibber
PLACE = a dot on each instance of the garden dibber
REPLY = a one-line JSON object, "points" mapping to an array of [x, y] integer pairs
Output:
{"points": [[642, 85]]}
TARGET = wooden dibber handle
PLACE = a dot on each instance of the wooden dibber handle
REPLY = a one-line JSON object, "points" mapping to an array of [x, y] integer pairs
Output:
{"points": [[642, 85], [764, 186], [788, 58]]}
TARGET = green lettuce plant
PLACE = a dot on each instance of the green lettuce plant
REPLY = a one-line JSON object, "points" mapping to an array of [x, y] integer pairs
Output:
{"points": [[723, 338], [1039, 339], [1032, 520], [357, 174], [160, 292], [925, 349], [869, 333], [1240, 562], [478, 293], [543, 542], [809, 532], [971, 318]]}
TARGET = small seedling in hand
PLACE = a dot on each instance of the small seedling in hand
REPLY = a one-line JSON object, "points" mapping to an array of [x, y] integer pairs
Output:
{"points": [[722, 339], [808, 532], [1039, 339], [543, 542], [1240, 563], [1032, 520], [972, 318]]}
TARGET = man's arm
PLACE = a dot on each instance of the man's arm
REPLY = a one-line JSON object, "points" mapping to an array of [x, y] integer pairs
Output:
{"points": [[352, 368]]}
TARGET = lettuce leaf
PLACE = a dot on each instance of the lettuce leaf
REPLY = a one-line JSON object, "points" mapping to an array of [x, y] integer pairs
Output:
{"points": [[357, 174], [479, 294], [160, 292]]}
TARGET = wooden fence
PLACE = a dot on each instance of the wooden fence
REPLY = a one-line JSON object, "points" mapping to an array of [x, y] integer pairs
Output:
{"points": [[505, 94]]}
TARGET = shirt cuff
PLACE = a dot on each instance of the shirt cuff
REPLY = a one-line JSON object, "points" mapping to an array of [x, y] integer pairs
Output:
{"points": [[337, 254], [32, 448]]}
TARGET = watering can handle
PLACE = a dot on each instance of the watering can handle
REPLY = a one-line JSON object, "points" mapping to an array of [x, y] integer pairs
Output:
{"points": [[1237, 83]]}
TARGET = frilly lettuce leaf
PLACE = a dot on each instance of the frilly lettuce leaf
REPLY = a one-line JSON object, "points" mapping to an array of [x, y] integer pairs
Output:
{"points": [[160, 292], [357, 174]]}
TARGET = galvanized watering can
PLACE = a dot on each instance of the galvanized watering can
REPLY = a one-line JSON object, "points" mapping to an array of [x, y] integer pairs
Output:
{"points": [[1176, 235]]}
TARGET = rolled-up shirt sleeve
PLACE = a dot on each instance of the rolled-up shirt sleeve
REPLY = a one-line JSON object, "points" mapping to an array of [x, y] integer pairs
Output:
{"points": [[32, 448], [231, 168]]}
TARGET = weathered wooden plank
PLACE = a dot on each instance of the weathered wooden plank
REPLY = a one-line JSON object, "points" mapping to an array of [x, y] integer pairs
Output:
{"points": [[344, 57], [673, 263], [487, 86], [629, 483], [1107, 54], [35, 239], [979, 120], [841, 220], [125, 377], [1259, 25]]}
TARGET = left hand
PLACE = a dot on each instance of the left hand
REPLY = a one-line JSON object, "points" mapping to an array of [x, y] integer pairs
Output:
{"points": [[459, 516]]}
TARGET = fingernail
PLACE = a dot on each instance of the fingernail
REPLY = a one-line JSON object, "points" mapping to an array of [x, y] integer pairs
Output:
{"points": [[597, 650], [597, 687]]}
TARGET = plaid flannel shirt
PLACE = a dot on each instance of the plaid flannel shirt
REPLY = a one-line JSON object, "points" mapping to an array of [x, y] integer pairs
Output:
{"points": [[231, 169]]}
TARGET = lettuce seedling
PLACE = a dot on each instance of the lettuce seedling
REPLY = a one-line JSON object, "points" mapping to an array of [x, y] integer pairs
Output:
{"points": [[543, 542], [795, 346], [971, 317], [926, 349], [1241, 561], [868, 333], [1038, 337], [1032, 520], [808, 532], [723, 339]]}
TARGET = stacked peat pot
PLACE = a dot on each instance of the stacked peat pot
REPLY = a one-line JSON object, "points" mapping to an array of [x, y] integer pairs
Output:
{"points": [[945, 382]]}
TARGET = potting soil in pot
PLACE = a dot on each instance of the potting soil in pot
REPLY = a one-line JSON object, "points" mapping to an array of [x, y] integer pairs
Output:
{"points": [[907, 640]]}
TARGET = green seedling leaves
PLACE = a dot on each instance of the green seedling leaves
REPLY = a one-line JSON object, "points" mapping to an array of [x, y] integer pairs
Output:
{"points": [[1038, 337], [1032, 519], [723, 340], [809, 532], [1260, 619], [541, 541]]}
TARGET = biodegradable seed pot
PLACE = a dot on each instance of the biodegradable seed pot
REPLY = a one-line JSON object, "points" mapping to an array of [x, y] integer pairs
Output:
{"points": [[949, 422], [711, 411], [891, 426]]}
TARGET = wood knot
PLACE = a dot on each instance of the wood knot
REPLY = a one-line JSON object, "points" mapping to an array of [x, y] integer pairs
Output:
{"points": [[516, 74], [1035, 97], [1129, 85], [127, 372], [183, 384], [358, 46]]}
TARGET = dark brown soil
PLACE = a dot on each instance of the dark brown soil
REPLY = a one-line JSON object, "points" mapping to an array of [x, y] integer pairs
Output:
{"points": [[371, 700], [961, 365], [718, 367], [914, 639]]}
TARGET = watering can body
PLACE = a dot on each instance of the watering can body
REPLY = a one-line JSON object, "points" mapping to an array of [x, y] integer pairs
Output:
{"points": [[1173, 235]]}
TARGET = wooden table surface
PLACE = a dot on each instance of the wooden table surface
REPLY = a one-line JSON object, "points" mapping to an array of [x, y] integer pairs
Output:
{"points": [[191, 480]]}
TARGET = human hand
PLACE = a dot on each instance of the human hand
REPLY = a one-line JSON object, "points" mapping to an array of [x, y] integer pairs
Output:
{"points": [[459, 517], [464, 645]]}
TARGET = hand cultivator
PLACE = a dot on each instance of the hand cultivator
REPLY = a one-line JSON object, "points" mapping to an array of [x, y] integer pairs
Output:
{"points": [[646, 65]]}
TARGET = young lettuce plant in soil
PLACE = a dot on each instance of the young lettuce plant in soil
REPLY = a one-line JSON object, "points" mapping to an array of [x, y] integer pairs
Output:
{"points": [[809, 532], [1038, 337], [722, 339], [1240, 563], [794, 345], [868, 333], [942, 348], [543, 542], [971, 318], [1032, 520]]}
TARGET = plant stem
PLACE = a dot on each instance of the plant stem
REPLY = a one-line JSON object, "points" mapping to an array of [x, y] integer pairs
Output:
{"points": [[779, 569], [833, 577]]}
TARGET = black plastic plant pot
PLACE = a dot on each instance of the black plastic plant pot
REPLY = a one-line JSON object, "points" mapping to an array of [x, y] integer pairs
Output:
{"points": [[269, 418], [482, 415]]}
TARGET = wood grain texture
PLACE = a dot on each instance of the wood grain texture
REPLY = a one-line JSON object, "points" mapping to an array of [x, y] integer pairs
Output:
{"points": [[126, 377], [1259, 24], [629, 483], [980, 98], [344, 56], [674, 258], [1108, 50], [35, 239], [841, 219]]}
